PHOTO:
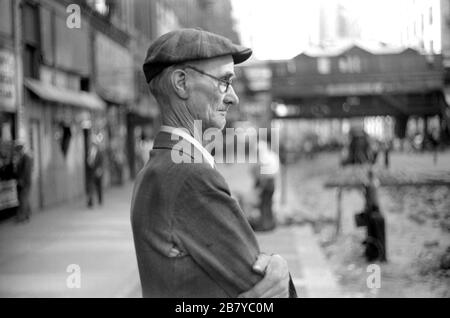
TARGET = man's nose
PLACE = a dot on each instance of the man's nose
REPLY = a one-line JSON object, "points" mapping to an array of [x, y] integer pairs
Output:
{"points": [[231, 99]]}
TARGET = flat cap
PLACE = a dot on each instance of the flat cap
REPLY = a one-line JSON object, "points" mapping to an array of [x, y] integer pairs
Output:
{"points": [[188, 45]]}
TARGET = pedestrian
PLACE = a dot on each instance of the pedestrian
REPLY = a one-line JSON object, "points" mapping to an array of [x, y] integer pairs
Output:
{"points": [[359, 149], [22, 169], [372, 218], [191, 237], [94, 173], [434, 142], [265, 174], [387, 147]]}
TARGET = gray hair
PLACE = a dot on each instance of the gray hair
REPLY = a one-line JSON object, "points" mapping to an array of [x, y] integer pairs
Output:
{"points": [[161, 86]]}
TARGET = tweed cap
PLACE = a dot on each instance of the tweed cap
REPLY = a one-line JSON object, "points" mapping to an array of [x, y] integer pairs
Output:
{"points": [[188, 45]]}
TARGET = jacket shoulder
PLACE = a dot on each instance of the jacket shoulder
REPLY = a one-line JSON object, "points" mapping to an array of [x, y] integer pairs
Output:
{"points": [[203, 177]]}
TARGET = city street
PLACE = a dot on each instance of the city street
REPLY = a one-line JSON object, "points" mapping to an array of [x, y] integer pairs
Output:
{"points": [[417, 226], [417, 223], [35, 256], [345, 132]]}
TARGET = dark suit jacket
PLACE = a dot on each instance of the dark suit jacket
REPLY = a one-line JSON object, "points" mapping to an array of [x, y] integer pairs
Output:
{"points": [[188, 206], [95, 168], [24, 170]]}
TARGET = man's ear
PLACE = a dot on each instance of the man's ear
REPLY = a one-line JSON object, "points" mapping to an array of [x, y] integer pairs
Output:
{"points": [[178, 80]]}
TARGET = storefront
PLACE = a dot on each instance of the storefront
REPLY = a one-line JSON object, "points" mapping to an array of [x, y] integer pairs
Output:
{"points": [[8, 100], [60, 124], [115, 84], [7, 95], [142, 124]]}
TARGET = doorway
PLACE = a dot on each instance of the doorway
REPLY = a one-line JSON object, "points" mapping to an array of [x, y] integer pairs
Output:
{"points": [[36, 195]]}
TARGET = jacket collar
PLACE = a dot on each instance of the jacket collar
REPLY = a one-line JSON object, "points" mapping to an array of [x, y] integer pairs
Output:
{"points": [[175, 139]]}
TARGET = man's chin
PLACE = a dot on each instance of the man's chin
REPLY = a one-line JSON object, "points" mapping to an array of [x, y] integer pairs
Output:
{"points": [[220, 123], [223, 125]]}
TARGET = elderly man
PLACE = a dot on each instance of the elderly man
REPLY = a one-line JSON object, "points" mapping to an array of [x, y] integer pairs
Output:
{"points": [[190, 235]]}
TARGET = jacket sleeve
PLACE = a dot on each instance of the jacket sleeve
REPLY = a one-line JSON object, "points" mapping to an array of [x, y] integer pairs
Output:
{"points": [[215, 232]]}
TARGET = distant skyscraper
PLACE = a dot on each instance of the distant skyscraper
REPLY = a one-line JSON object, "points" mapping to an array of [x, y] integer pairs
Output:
{"points": [[337, 23]]}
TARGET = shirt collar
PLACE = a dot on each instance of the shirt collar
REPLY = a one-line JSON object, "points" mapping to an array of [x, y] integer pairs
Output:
{"points": [[183, 134]]}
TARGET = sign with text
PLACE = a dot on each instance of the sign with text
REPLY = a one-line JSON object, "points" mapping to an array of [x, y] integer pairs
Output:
{"points": [[7, 87]]}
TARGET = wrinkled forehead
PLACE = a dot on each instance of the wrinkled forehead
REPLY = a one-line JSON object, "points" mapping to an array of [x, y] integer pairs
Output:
{"points": [[219, 66]]}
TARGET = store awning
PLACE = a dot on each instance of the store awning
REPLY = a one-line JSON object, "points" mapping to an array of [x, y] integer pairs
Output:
{"points": [[65, 96], [112, 98]]}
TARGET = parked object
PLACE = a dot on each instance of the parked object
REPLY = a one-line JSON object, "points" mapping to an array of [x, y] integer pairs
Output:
{"points": [[371, 217]]}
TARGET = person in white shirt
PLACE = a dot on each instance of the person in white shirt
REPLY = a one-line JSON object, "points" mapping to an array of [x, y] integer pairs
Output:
{"points": [[265, 173]]}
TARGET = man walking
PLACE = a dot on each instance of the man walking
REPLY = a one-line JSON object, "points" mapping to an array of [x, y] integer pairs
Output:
{"points": [[23, 170], [191, 237], [266, 173], [94, 174]]}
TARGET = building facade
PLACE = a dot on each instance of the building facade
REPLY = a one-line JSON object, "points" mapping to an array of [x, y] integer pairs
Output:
{"points": [[426, 27], [8, 71], [71, 72]]}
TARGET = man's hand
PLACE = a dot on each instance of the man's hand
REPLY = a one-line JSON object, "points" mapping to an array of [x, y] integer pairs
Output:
{"points": [[275, 283]]}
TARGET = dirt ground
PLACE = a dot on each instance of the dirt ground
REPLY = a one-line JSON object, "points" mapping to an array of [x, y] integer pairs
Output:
{"points": [[417, 227]]}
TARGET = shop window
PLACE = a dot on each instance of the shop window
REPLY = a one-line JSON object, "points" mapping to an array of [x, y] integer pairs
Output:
{"points": [[6, 127]]}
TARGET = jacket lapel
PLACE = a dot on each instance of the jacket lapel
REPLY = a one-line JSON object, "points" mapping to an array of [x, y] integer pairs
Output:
{"points": [[164, 141]]}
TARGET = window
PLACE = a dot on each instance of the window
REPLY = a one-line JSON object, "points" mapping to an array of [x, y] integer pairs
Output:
{"points": [[350, 64], [431, 16], [47, 40], [291, 67], [281, 69], [6, 17], [84, 84], [422, 23], [323, 65], [31, 61], [31, 38]]}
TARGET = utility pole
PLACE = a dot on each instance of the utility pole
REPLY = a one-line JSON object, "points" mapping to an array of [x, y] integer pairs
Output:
{"points": [[20, 131]]}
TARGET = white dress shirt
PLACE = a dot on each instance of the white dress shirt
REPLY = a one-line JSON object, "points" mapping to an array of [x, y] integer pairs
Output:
{"points": [[182, 132]]}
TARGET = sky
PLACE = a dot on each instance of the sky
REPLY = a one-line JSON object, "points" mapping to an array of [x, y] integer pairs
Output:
{"points": [[281, 29]]}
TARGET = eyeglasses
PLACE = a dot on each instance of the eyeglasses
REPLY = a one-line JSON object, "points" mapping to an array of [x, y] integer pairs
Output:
{"points": [[224, 84]]}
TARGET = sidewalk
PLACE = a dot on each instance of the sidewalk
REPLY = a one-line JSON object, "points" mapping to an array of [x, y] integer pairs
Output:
{"points": [[307, 263], [34, 257], [309, 269]]}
